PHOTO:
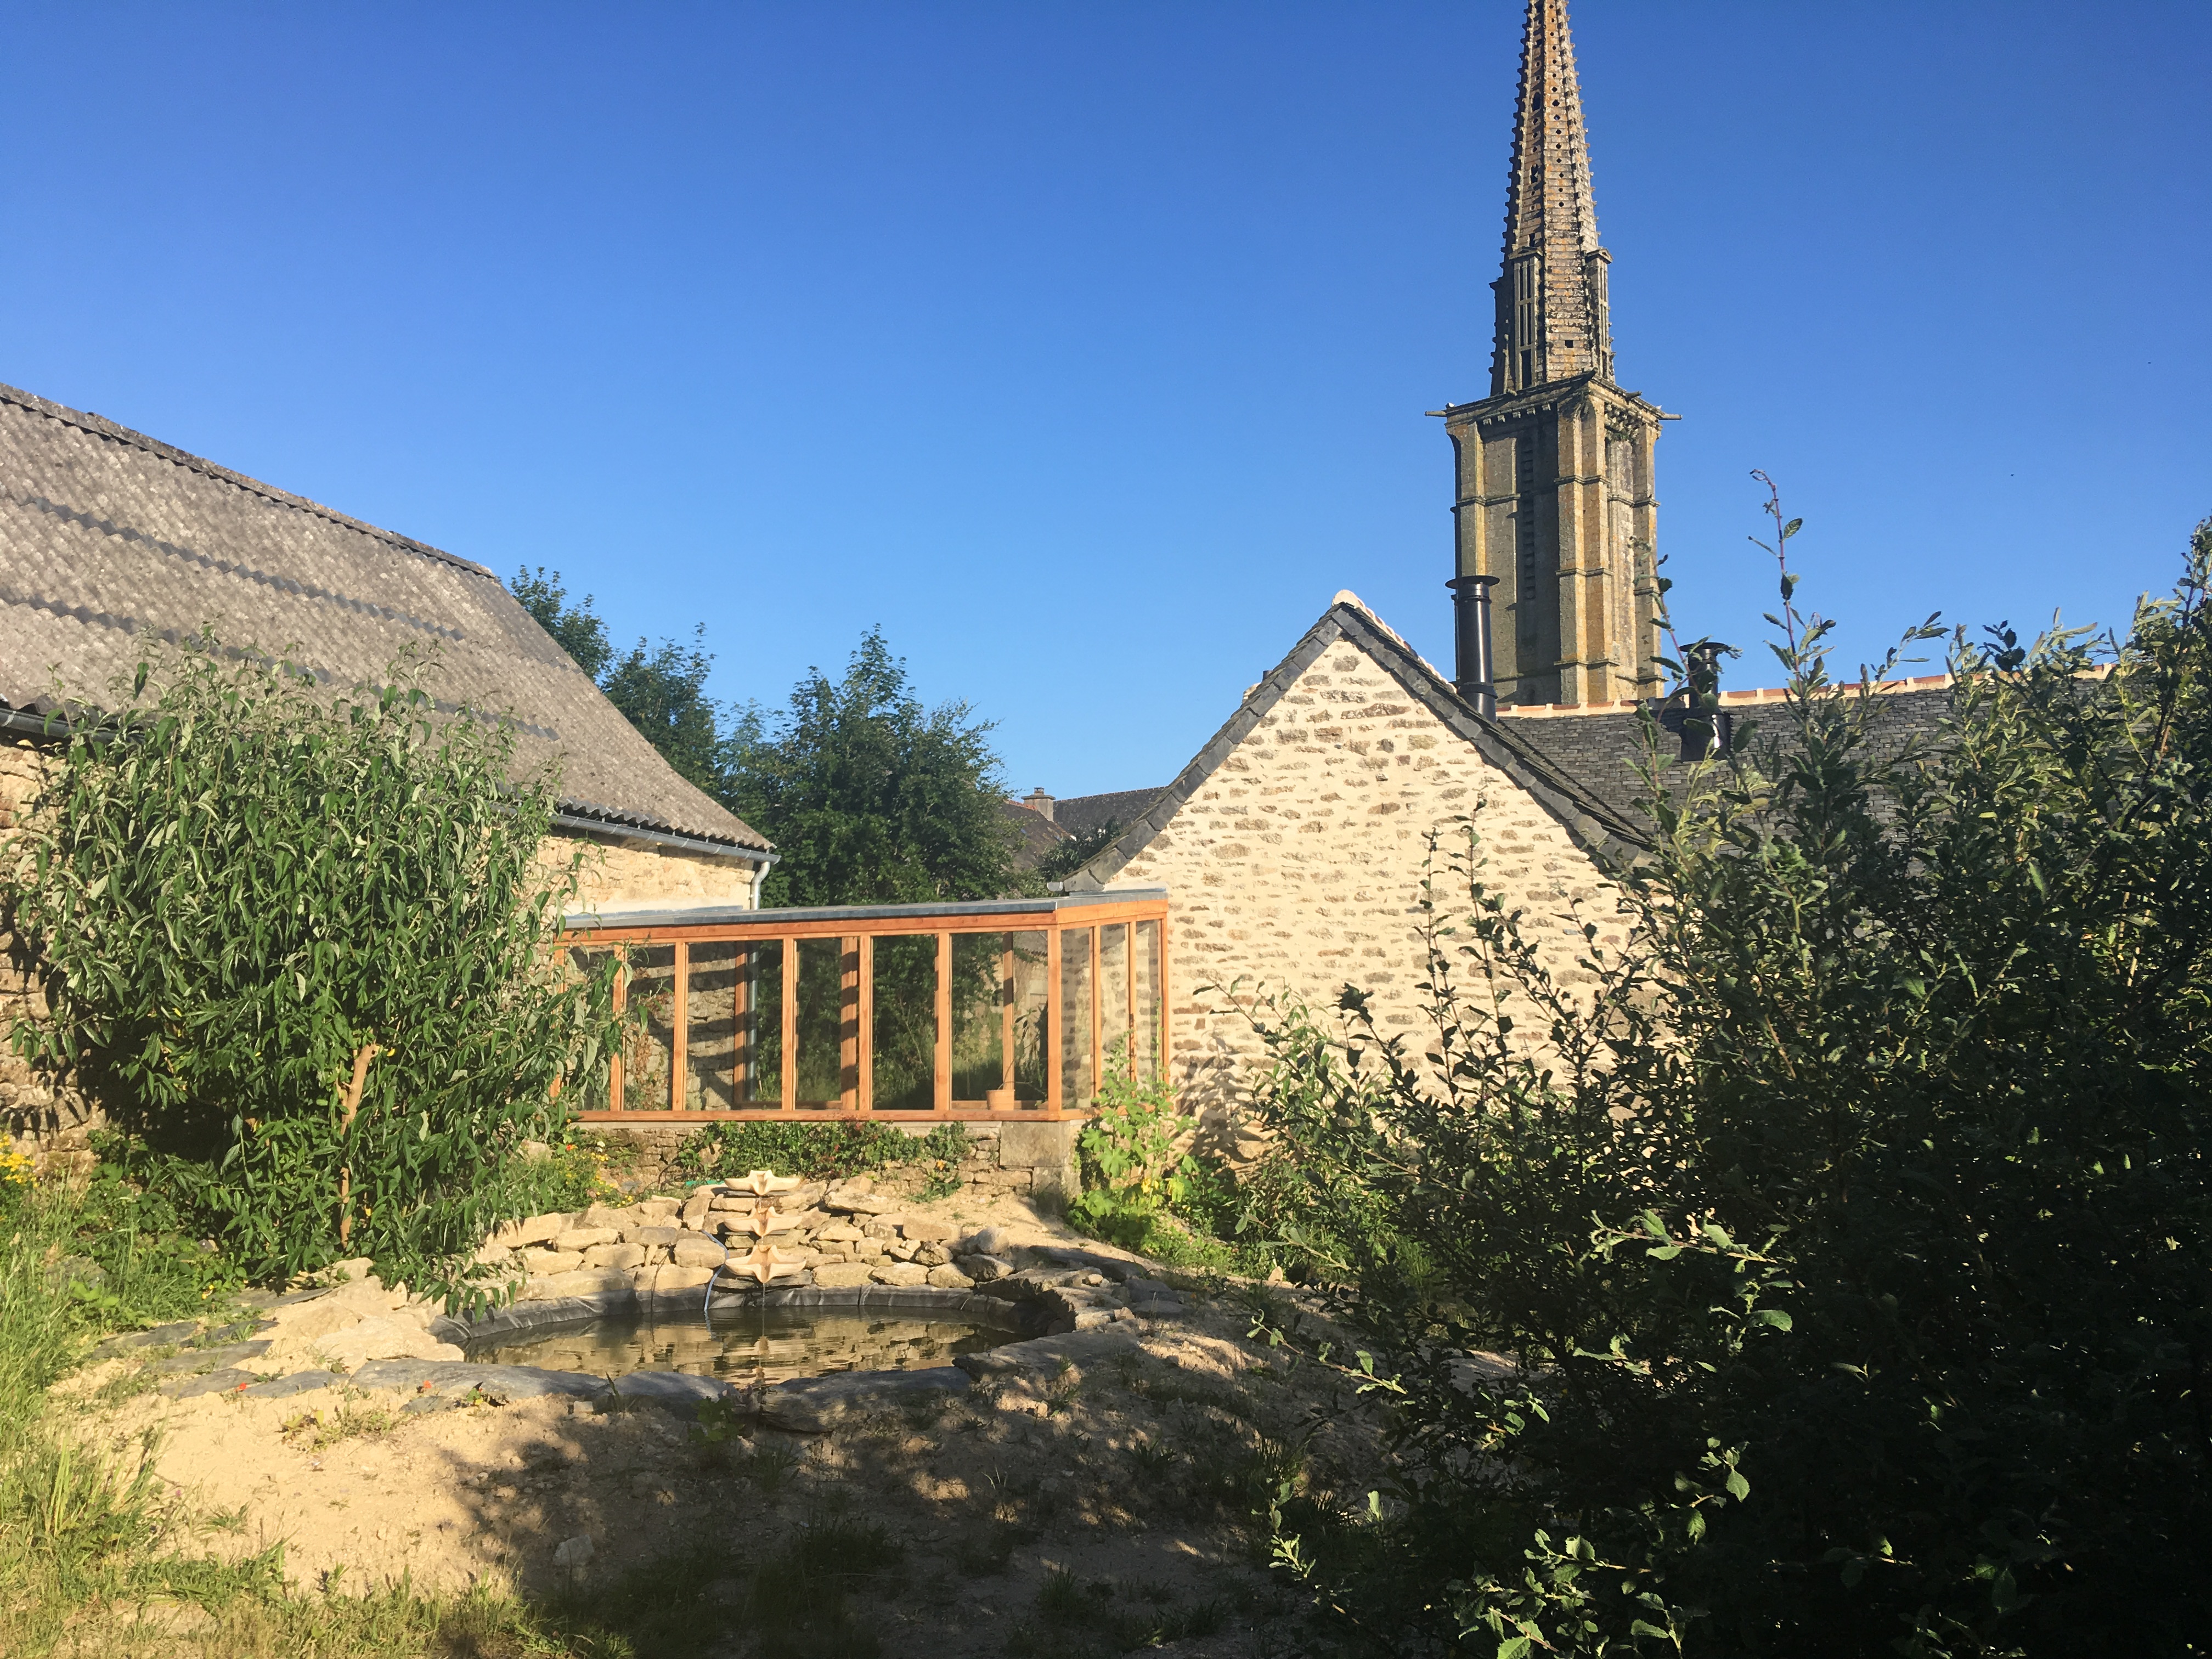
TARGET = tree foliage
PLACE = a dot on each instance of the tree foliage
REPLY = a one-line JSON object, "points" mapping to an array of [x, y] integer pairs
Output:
{"points": [[1847, 1237], [305, 951], [870, 798]]}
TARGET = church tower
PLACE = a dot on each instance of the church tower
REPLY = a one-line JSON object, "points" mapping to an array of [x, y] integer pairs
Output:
{"points": [[1556, 517]]}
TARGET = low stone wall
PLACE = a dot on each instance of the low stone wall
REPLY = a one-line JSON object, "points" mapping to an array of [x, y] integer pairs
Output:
{"points": [[1036, 1161], [778, 1233]]}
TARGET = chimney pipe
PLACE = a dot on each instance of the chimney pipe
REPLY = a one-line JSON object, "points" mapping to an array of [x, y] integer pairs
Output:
{"points": [[1473, 666], [1037, 801]]}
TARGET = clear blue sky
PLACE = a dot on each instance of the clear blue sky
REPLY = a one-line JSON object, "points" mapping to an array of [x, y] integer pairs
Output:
{"points": [[1084, 346]]}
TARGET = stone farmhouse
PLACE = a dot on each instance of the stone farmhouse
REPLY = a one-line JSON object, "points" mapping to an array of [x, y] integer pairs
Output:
{"points": [[112, 542]]}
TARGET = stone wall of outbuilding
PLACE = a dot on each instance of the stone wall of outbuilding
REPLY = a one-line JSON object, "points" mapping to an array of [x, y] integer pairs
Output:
{"points": [[1299, 865]]}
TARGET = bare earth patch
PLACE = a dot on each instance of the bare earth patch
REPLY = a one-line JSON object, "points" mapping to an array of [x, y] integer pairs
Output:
{"points": [[1094, 1508]]}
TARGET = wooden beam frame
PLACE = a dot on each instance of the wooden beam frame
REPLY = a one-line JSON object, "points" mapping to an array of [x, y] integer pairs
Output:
{"points": [[855, 939]]}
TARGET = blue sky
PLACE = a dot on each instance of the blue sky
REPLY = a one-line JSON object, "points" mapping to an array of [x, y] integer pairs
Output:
{"points": [[1085, 347]]}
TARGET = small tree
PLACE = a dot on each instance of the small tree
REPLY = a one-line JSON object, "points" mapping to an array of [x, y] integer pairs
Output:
{"points": [[1851, 1229], [305, 951], [870, 798]]}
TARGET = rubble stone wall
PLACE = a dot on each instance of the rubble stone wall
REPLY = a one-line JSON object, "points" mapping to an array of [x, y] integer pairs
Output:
{"points": [[1298, 866]]}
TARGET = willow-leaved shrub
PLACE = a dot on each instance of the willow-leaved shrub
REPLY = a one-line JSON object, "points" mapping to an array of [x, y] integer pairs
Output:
{"points": [[1851, 1235], [303, 950]]}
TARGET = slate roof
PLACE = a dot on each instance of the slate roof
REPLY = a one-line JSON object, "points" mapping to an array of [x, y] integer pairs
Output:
{"points": [[1081, 814], [1595, 823], [109, 539]]}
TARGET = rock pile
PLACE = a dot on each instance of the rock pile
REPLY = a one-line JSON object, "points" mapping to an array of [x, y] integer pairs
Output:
{"points": [[766, 1231]]}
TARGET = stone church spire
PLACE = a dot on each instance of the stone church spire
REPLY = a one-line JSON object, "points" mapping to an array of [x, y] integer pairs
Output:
{"points": [[1555, 579], [1552, 321]]}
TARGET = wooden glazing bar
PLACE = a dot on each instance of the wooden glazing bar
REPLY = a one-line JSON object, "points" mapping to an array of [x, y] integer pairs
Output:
{"points": [[679, 1029], [615, 1064], [944, 1081], [789, 1103], [864, 1036], [744, 1054], [1006, 1020], [1129, 1002], [1054, 1040], [848, 1025], [1098, 1015], [770, 927]]}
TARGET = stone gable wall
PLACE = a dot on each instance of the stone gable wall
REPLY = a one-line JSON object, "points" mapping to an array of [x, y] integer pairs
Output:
{"points": [[1299, 865]]}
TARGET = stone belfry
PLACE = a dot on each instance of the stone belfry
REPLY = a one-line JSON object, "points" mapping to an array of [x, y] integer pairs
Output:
{"points": [[1556, 517]]}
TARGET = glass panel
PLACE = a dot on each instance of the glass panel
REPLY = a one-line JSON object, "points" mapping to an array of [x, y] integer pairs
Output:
{"points": [[1113, 995], [1032, 1020], [759, 1023], [982, 1019], [1145, 1050], [648, 1017], [585, 960], [710, 1021], [1076, 1072], [822, 1021], [905, 1026]]}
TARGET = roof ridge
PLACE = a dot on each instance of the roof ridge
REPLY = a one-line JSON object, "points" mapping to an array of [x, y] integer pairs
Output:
{"points": [[1589, 820], [100, 427]]}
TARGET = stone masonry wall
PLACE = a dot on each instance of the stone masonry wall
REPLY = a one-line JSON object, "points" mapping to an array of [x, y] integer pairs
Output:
{"points": [[635, 878], [1298, 866]]}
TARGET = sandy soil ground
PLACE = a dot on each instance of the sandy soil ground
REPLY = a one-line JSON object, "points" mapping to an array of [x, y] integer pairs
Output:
{"points": [[1136, 1475]]}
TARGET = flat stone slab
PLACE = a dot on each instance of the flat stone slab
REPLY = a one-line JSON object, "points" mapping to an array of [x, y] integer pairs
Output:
{"points": [[817, 1404], [679, 1392], [283, 1388], [457, 1376], [204, 1359], [229, 1380], [161, 1336], [1045, 1357]]}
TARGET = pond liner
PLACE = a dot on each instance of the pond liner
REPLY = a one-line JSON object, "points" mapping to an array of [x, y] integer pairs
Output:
{"points": [[1016, 1318]]}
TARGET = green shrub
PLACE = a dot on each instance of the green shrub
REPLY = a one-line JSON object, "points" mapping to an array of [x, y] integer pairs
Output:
{"points": [[1850, 1228], [303, 950]]}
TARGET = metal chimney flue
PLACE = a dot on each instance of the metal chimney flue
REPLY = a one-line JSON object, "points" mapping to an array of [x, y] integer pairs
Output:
{"points": [[1474, 666]]}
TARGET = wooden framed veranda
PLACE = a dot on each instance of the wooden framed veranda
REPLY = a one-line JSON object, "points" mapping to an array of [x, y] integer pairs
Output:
{"points": [[1009, 1009]]}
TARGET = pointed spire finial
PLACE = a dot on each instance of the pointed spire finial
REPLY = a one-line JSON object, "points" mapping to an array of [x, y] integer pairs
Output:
{"points": [[1552, 304]]}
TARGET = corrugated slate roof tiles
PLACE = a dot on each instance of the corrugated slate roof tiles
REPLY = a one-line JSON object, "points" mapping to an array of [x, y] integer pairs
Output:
{"points": [[109, 539]]}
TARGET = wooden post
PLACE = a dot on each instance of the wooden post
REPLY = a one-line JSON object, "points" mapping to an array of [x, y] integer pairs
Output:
{"points": [[1006, 987], [1098, 1014], [679, 1028], [1129, 1001], [790, 1102], [848, 1023], [864, 1035], [944, 1091], [1166, 1026], [621, 1036], [744, 1040], [1054, 1011]]}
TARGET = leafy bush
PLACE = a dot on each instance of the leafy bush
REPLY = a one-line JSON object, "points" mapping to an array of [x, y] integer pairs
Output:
{"points": [[1134, 1165], [303, 951], [1848, 1232], [819, 1152]]}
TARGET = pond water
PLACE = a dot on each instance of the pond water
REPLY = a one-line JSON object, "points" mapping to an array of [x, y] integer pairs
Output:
{"points": [[743, 1346]]}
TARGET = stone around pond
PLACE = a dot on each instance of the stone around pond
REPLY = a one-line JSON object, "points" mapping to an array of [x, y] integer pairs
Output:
{"points": [[229, 1380], [817, 1404], [283, 1388]]}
